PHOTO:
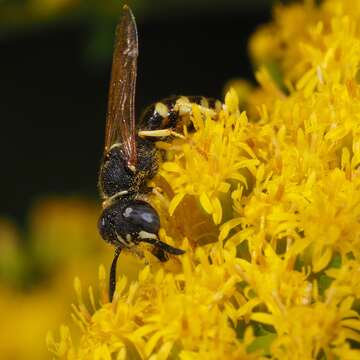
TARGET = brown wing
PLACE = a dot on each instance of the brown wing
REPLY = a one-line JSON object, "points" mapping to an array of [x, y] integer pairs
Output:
{"points": [[120, 120]]}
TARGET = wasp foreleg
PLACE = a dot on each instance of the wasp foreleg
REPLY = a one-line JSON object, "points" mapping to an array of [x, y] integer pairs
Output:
{"points": [[160, 133]]}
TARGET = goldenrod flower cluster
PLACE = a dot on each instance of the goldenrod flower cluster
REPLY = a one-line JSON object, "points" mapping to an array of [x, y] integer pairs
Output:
{"points": [[267, 207]]}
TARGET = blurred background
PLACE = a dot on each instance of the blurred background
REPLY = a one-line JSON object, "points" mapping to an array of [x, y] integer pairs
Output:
{"points": [[55, 69]]}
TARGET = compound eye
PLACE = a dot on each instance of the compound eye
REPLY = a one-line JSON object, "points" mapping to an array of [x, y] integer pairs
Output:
{"points": [[143, 216]]}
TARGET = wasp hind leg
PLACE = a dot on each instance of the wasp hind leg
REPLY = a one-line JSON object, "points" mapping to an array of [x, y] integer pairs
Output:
{"points": [[159, 254], [163, 246], [112, 284]]}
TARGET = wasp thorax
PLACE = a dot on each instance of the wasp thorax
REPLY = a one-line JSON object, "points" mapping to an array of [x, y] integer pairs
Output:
{"points": [[118, 177], [115, 176]]}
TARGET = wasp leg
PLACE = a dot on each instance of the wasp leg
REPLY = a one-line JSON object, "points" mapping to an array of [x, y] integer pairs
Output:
{"points": [[107, 202], [165, 247], [157, 192], [160, 254], [160, 133], [112, 284]]}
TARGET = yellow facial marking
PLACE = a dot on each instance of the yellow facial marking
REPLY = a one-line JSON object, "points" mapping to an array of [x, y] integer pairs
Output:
{"points": [[162, 109]]}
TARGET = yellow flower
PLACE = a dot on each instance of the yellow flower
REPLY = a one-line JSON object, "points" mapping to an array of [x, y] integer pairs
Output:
{"points": [[192, 323], [267, 207], [307, 332]]}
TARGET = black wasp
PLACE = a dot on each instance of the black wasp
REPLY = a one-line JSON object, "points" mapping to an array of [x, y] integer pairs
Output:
{"points": [[130, 157]]}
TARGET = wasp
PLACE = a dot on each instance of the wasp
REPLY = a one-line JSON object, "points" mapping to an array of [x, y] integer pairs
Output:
{"points": [[130, 157]]}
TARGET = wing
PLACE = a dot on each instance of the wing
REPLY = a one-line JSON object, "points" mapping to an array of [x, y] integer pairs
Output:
{"points": [[120, 119]]}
